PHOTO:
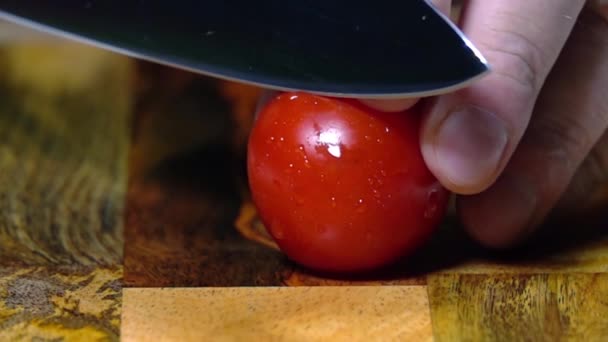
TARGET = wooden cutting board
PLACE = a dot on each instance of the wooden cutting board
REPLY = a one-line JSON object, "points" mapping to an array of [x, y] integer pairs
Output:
{"points": [[124, 214]]}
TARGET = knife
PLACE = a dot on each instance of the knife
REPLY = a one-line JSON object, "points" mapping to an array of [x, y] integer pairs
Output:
{"points": [[367, 49]]}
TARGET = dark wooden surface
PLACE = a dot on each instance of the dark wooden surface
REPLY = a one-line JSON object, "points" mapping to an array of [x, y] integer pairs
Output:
{"points": [[185, 189]]}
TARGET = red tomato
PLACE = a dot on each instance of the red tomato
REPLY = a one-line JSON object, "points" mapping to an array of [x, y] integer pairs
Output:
{"points": [[339, 186]]}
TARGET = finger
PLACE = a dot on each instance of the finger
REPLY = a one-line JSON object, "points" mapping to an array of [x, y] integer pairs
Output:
{"points": [[570, 116], [469, 135], [588, 190], [400, 105], [391, 106], [444, 6]]}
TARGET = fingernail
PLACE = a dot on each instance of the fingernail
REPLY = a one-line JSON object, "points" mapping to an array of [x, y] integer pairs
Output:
{"points": [[469, 145], [502, 215]]}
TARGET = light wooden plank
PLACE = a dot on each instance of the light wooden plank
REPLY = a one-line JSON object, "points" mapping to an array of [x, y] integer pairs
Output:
{"points": [[550, 307], [276, 314]]}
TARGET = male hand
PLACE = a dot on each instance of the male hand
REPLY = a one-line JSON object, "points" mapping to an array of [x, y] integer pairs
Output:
{"points": [[530, 137]]}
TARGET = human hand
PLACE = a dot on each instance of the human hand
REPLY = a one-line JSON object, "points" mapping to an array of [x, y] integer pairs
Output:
{"points": [[530, 137]]}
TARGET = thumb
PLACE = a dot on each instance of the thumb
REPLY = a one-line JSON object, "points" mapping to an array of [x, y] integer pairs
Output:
{"points": [[468, 136]]}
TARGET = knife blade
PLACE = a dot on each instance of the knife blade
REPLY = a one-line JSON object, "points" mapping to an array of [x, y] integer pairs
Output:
{"points": [[380, 49]]}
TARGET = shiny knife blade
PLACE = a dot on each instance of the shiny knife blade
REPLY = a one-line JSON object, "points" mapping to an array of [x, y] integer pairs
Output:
{"points": [[369, 49]]}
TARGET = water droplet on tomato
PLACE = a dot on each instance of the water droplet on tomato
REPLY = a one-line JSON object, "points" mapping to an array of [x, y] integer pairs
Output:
{"points": [[386, 129], [333, 202], [360, 207], [301, 147], [376, 193], [378, 140], [281, 139], [277, 230]]}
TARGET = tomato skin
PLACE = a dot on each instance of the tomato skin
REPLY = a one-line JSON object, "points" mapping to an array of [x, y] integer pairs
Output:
{"points": [[339, 186]]}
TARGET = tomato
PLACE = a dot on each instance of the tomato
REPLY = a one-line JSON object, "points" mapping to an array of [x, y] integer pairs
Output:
{"points": [[339, 186]]}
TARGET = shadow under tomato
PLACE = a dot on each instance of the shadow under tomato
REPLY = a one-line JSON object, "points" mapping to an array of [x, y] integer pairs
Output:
{"points": [[555, 246], [449, 247]]}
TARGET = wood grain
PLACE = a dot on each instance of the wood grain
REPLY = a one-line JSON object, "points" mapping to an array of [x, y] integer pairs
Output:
{"points": [[64, 133], [546, 307], [277, 314], [68, 303], [63, 147]]}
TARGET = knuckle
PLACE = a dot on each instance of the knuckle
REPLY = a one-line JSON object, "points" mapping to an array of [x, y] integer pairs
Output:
{"points": [[596, 166], [590, 182], [516, 58], [561, 134], [596, 162]]}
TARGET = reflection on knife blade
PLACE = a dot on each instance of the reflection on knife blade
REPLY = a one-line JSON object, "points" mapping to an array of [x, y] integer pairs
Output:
{"points": [[338, 48]]}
